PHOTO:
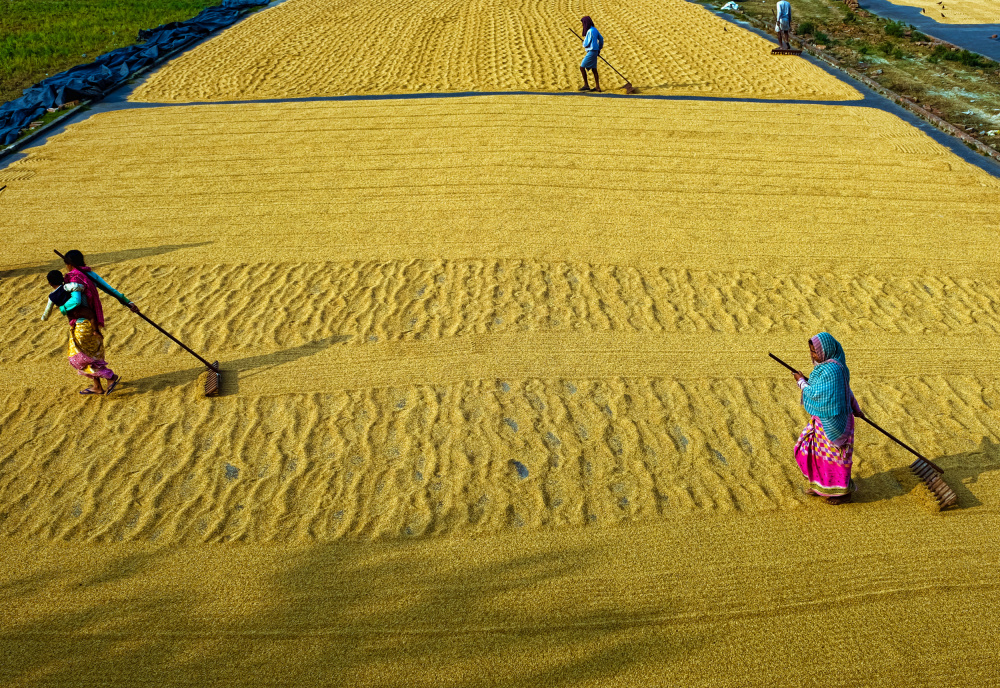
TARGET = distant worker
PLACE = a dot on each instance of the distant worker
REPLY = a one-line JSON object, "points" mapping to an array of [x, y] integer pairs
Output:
{"points": [[825, 449], [783, 25], [593, 41]]}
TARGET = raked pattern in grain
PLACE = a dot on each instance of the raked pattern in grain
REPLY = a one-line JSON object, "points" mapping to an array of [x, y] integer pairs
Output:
{"points": [[957, 11], [305, 48]]}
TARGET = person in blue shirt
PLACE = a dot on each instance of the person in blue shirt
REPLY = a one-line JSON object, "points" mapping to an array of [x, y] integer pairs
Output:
{"points": [[783, 24], [593, 41]]}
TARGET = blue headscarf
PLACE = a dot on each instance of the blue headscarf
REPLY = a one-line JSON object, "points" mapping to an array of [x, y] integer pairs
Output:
{"points": [[828, 394]]}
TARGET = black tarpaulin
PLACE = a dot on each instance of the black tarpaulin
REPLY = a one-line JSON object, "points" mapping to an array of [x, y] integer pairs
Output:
{"points": [[94, 80]]}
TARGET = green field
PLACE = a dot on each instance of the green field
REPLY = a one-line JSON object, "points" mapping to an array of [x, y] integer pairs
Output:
{"points": [[43, 37]]}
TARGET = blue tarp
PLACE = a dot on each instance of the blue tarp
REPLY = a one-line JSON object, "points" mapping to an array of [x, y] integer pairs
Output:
{"points": [[94, 80]]}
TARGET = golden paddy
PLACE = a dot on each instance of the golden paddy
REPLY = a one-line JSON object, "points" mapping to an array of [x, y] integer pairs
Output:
{"points": [[497, 408], [305, 48], [958, 11]]}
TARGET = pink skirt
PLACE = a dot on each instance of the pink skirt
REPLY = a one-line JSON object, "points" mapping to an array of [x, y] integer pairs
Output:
{"points": [[827, 467], [86, 350]]}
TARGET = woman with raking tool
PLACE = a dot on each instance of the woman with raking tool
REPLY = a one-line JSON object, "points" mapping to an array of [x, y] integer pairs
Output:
{"points": [[825, 449], [86, 338], [86, 341], [822, 388]]}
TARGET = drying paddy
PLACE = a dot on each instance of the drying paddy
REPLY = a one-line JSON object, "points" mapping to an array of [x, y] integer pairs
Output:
{"points": [[497, 408], [958, 11], [310, 48], [683, 185], [909, 597]]}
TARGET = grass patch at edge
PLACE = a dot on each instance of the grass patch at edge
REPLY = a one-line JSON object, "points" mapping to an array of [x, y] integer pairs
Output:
{"points": [[39, 38]]}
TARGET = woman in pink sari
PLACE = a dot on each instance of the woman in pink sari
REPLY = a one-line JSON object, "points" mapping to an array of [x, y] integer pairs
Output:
{"points": [[86, 338], [825, 449]]}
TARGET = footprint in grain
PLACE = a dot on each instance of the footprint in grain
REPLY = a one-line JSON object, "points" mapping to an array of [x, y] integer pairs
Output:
{"points": [[520, 468]]}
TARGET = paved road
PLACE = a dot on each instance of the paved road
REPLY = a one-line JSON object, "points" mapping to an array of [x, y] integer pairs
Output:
{"points": [[974, 37]]}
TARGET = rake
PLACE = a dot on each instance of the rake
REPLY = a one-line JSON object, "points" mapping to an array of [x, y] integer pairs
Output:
{"points": [[628, 84], [213, 383], [925, 469]]}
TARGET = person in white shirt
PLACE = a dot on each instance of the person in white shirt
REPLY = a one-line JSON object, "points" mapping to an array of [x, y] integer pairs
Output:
{"points": [[783, 24]]}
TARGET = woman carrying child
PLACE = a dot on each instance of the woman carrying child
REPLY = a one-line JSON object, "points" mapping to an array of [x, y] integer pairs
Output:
{"points": [[78, 298]]}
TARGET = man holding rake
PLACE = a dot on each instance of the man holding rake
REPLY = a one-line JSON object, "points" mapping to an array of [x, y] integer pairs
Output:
{"points": [[783, 24], [593, 41]]}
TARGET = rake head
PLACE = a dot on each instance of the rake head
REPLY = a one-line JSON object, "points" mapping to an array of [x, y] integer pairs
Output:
{"points": [[791, 51], [931, 477], [213, 381], [629, 88]]}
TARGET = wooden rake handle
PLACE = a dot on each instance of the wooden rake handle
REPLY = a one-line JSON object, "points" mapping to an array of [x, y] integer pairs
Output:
{"points": [[179, 343], [873, 424], [210, 366]]}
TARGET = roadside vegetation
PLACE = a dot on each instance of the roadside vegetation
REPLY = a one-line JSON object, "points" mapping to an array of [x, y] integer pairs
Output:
{"points": [[959, 86], [39, 38]]}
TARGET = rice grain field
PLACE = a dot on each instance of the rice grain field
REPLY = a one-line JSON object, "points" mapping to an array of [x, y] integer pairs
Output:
{"points": [[687, 184], [497, 407], [722, 600], [958, 11], [305, 48], [395, 357]]}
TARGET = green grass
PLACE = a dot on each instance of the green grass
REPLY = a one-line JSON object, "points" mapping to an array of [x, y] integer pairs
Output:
{"points": [[44, 37], [894, 29], [959, 86]]}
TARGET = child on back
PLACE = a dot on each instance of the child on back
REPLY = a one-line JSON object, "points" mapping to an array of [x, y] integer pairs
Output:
{"points": [[67, 297], [86, 341]]}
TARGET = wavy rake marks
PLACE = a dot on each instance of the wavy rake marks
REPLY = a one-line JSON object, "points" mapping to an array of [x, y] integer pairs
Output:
{"points": [[308, 48], [259, 308]]}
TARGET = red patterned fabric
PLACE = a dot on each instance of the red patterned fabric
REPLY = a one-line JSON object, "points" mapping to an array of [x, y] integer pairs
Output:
{"points": [[827, 467]]}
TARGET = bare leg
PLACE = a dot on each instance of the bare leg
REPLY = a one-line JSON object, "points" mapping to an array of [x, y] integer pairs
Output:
{"points": [[586, 84], [597, 80], [783, 40]]}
